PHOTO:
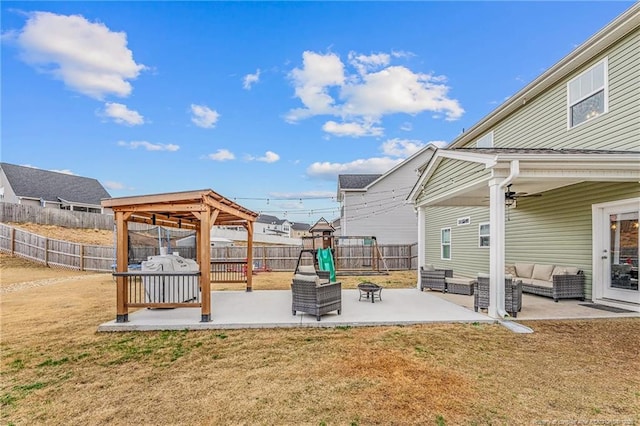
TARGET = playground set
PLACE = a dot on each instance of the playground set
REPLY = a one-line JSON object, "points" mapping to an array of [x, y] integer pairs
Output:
{"points": [[352, 255]]}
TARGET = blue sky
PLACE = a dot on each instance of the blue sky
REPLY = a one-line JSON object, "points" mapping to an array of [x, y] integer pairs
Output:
{"points": [[265, 103]]}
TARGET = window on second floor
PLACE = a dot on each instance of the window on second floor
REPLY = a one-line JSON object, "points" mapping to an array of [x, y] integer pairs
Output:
{"points": [[587, 94]]}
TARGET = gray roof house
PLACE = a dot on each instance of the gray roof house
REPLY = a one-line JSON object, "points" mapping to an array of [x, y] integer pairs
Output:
{"points": [[374, 205], [549, 181], [31, 186], [267, 224]]}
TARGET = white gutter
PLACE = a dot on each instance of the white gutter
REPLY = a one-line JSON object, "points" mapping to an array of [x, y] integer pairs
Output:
{"points": [[500, 275]]}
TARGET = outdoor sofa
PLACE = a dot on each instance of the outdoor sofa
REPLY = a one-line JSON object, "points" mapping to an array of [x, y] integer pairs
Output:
{"points": [[557, 282], [312, 293]]}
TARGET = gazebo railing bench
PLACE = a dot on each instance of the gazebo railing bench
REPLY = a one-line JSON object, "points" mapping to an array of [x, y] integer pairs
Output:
{"points": [[161, 289]]}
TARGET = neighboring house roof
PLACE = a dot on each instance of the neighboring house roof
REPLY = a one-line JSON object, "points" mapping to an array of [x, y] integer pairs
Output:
{"points": [[598, 43], [29, 182], [272, 220], [300, 226], [356, 181]]}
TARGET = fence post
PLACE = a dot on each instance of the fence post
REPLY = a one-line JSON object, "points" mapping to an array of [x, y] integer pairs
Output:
{"points": [[46, 251], [13, 241], [82, 257]]}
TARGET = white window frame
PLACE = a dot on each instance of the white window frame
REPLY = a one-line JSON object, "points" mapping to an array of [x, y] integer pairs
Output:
{"points": [[443, 244], [604, 87], [480, 234]]}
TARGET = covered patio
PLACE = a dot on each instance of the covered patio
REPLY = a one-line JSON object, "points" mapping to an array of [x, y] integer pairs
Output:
{"points": [[542, 203], [196, 210]]}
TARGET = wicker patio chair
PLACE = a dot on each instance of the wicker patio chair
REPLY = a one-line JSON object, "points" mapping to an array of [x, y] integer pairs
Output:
{"points": [[315, 296], [434, 279], [512, 294]]}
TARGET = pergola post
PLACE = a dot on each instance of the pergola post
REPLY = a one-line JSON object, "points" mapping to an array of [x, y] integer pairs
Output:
{"points": [[249, 226], [122, 265], [204, 257]]}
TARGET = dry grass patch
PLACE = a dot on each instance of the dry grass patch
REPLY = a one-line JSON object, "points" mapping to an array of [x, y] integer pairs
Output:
{"points": [[56, 369]]}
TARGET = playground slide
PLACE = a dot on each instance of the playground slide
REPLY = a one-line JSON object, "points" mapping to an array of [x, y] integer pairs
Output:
{"points": [[325, 262]]}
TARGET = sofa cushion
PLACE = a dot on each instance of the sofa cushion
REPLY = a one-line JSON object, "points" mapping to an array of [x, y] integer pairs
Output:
{"points": [[542, 272], [510, 269], [458, 280], [572, 270], [429, 267], [483, 275], [306, 270], [306, 278], [565, 270], [541, 283], [524, 270]]}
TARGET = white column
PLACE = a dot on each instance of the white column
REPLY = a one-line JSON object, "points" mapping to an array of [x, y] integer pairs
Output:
{"points": [[496, 248], [422, 242]]}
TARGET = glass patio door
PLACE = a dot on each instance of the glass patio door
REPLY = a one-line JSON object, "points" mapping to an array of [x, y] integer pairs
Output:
{"points": [[621, 263]]}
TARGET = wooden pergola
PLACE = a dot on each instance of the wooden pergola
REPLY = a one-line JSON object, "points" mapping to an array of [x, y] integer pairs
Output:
{"points": [[196, 210]]}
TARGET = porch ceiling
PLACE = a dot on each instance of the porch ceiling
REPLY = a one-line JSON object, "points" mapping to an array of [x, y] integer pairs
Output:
{"points": [[539, 171]]}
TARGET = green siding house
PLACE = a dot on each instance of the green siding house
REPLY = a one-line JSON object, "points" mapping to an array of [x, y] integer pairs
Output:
{"points": [[552, 176]]}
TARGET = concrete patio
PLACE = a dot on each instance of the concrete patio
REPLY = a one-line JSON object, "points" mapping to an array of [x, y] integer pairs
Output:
{"points": [[272, 309]]}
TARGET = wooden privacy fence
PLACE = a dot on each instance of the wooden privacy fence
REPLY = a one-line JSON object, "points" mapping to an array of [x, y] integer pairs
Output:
{"points": [[22, 213], [64, 254]]}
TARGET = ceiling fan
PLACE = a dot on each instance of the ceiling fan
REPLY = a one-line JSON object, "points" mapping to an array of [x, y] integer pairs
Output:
{"points": [[510, 195]]}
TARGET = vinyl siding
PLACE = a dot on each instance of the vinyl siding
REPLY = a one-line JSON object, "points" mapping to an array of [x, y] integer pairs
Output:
{"points": [[381, 211], [542, 122], [553, 229], [450, 174], [467, 258], [556, 228]]}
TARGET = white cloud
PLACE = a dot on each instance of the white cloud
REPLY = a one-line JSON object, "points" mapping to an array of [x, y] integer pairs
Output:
{"points": [[250, 79], [399, 90], [401, 147], [372, 89], [352, 129], [318, 73], [88, 57], [203, 116], [122, 115], [329, 171], [113, 185], [221, 155], [149, 146], [269, 157], [406, 126], [364, 63]]}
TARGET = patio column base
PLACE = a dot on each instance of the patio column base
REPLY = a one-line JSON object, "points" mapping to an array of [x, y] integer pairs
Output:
{"points": [[249, 289], [206, 318], [122, 318]]}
